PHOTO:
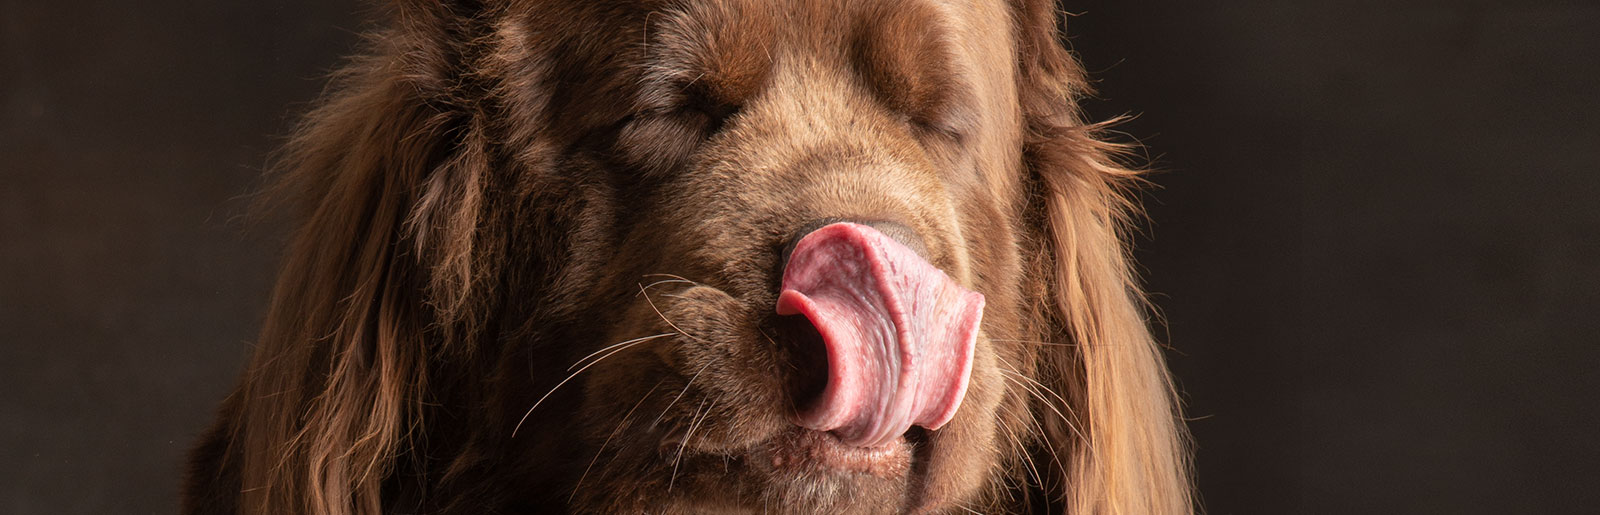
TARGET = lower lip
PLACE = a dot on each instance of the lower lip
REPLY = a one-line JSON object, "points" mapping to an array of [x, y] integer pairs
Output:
{"points": [[808, 449]]}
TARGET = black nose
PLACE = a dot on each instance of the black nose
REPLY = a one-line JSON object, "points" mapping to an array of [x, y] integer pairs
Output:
{"points": [[900, 232]]}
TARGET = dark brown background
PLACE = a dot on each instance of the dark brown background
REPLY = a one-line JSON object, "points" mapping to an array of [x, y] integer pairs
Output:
{"points": [[1375, 246]]}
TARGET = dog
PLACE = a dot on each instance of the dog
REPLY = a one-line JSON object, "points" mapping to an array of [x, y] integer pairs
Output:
{"points": [[703, 256]]}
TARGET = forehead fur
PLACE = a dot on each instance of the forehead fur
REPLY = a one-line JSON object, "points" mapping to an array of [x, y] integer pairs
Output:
{"points": [[724, 51], [904, 53]]}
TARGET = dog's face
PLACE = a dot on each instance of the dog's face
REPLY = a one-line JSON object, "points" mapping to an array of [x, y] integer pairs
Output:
{"points": [[703, 256], [747, 126]]}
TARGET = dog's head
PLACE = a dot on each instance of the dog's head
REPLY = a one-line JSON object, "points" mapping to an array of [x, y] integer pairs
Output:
{"points": [[709, 255]]}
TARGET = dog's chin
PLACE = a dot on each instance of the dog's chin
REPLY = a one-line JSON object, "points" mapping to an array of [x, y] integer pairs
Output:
{"points": [[805, 471], [813, 452]]}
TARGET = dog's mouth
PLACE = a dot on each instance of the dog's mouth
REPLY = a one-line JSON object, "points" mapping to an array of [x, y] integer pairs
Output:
{"points": [[815, 452], [896, 334], [868, 354], [809, 471]]}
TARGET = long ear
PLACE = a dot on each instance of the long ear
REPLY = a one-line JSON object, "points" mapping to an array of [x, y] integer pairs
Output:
{"points": [[1124, 447], [389, 177]]}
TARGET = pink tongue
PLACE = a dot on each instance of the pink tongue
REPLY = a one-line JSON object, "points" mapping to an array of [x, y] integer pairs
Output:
{"points": [[898, 333]]}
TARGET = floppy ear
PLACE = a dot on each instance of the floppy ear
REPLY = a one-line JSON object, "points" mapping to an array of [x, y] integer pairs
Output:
{"points": [[1122, 446], [389, 176]]}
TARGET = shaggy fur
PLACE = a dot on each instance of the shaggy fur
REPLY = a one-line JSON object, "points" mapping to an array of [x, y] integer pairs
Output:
{"points": [[541, 240]]}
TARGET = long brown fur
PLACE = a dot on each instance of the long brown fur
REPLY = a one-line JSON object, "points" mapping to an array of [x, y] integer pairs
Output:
{"points": [[495, 191]]}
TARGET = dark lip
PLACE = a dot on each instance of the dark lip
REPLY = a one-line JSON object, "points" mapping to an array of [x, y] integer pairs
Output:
{"points": [[813, 451]]}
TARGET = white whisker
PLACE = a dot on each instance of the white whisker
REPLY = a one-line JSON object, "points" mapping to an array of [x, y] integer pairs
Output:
{"points": [[619, 344], [700, 417], [664, 317], [1022, 450], [673, 276], [680, 395], [1040, 428], [663, 281], [620, 424], [1040, 395], [569, 378]]}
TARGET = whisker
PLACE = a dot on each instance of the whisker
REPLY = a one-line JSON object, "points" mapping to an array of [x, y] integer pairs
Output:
{"points": [[697, 78], [1022, 450], [1041, 386], [1011, 369], [620, 344], [1040, 395], [620, 424], [675, 276], [1008, 371], [569, 378], [700, 417], [680, 395], [1034, 421], [1064, 420], [664, 317], [663, 281]]}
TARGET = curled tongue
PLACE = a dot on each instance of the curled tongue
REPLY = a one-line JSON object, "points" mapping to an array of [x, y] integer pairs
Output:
{"points": [[898, 332]]}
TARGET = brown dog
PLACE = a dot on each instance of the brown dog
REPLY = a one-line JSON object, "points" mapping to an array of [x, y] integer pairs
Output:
{"points": [[731, 256]]}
